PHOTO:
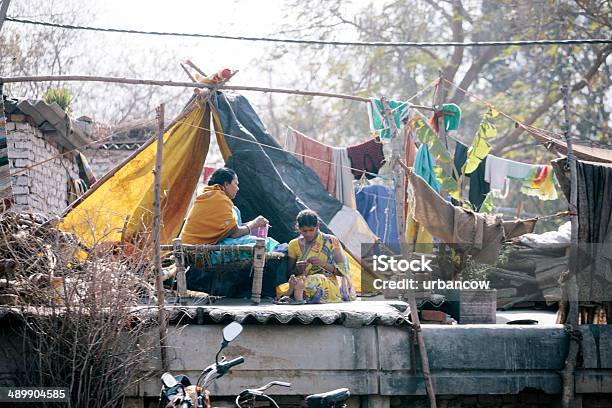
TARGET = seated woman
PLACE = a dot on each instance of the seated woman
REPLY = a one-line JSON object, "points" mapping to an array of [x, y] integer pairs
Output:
{"points": [[317, 264], [214, 219]]}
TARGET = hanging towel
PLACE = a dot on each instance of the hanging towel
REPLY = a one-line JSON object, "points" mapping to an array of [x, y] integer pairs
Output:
{"points": [[424, 164], [367, 156], [451, 122], [541, 183], [314, 154], [344, 178], [479, 188], [379, 122], [497, 170]]}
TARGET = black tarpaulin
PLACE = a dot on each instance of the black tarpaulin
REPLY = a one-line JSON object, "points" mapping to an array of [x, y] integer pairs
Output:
{"points": [[272, 182]]}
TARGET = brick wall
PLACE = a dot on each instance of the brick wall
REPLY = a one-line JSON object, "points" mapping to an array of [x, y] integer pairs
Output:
{"points": [[102, 161], [43, 188]]}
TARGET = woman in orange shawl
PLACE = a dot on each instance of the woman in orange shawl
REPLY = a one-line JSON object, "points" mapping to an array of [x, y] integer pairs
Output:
{"points": [[213, 216]]}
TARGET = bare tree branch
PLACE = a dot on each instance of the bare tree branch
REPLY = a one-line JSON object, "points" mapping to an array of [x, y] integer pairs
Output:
{"points": [[550, 101], [472, 73]]}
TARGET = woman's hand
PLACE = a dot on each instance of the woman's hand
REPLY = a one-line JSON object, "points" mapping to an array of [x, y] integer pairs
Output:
{"points": [[259, 222], [314, 261]]}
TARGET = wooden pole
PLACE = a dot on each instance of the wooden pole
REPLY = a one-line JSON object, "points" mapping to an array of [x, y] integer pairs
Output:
{"points": [[396, 164], [133, 81], [571, 285], [161, 302], [438, 108], [3, 9], [181, 278]]}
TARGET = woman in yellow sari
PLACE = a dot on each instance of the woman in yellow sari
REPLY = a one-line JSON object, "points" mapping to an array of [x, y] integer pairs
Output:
{"points": [[214, 218], [317, 264]]}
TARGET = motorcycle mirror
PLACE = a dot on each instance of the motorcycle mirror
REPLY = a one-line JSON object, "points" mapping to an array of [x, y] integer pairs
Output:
{"points": [[168, 380], [231, 331]]}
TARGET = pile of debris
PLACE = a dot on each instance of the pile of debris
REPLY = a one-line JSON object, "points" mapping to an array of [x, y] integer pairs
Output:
{"points": [[529, 268], [42, 265]]}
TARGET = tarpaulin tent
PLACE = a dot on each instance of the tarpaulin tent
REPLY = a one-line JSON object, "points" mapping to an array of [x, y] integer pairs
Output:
{"points": [[122, 205], [273, 183]]}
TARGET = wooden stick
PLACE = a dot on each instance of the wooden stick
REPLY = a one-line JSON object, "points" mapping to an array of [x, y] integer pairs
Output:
{"points": [[86, 78], [161, 302], [439, 108], [398, 151], [194, 66], [571, 286], [188, 73], [181, 278]]}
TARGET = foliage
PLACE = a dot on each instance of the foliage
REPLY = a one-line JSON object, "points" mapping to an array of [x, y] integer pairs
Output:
{"points": [[518, 80], [61, 96]]}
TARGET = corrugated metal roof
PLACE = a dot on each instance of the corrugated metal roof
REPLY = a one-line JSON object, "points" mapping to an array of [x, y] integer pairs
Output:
{"points": [[350, 314]]}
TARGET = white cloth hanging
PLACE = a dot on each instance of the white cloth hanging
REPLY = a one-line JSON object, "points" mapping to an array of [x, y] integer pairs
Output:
{"points": [[344, 178]]}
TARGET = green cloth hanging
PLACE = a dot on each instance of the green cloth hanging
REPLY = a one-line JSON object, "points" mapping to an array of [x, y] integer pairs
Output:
{"points": [[451, 122], [379, 123]]}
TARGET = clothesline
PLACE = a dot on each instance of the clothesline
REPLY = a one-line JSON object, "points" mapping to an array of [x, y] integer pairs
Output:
{"points": [[484, 102]]}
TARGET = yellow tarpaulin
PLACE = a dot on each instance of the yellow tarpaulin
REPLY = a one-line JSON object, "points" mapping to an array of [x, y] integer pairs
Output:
{"points": [[128, 194]]}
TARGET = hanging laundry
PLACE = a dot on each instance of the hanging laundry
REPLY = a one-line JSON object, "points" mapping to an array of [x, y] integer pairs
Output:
{"points": [[541, 183], [341, 165], [452, 117], [411, 151], [6, 191], [498, 170], [424, 164], [451, 121], [481, 147], [368, 157], [479, 188], [378, 120], [376, 203], [314, 154], [331, 164], [480, 235], [208, 171], [85, 172]]}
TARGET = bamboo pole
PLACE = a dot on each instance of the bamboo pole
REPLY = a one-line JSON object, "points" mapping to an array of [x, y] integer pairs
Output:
{"points": [[398, 178], [438, 107], [134, 81], [161, 302], [571, 285]]}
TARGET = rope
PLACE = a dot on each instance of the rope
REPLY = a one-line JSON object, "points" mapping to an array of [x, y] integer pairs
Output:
{"points": [[484, 102], [413, 44]]}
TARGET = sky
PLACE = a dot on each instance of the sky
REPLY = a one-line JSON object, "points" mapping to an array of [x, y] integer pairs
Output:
{"points": [[249, 18]]}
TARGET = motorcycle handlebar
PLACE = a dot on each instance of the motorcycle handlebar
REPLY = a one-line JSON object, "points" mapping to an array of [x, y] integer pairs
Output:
{"points": [[229, 364]]}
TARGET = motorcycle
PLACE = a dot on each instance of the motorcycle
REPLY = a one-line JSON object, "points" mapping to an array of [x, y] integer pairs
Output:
{"points": [[178, 392]]}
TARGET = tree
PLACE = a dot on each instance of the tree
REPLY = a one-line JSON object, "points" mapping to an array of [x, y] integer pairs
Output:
{"points": [[36, 50], [523, 81]]}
